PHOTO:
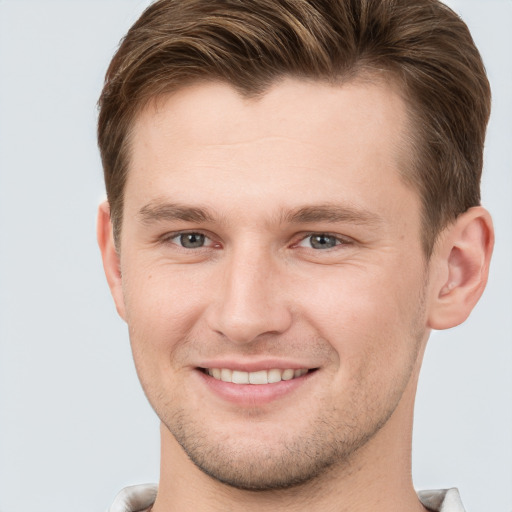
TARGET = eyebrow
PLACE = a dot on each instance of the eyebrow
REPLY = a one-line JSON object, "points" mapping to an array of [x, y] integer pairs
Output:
{"points": [[331, 213], [158, 211]]}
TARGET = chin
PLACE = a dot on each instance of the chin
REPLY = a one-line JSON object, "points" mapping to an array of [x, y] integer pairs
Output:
{"points": [[275, 462]]}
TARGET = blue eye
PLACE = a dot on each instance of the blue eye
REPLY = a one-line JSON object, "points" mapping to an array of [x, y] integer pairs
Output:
{"points": [[190, 240], [320, 241]]}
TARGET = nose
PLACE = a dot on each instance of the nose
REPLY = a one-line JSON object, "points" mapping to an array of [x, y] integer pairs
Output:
{"points": [[251, 301]]}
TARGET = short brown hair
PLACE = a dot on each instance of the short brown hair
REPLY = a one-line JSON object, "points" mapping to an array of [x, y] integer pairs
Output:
{"points": [[421, 44]]}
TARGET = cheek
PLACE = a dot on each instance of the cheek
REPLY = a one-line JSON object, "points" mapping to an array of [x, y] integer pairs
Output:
{"points": [[370, 318], [162, 306], [161, 312]]}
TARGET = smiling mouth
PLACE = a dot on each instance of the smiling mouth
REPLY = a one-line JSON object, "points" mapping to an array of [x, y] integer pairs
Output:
{"points": [[260, 377]]}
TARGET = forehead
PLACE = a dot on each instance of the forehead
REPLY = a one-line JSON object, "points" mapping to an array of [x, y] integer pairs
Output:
{"points": [[298, 140], [215, 113]]}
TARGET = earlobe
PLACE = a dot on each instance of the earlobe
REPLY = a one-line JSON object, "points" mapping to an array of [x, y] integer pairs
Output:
{"points": [[462, 260], [110, 256]]}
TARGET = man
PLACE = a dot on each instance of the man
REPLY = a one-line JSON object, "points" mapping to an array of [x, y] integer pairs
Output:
{"points": [[293, 205]]}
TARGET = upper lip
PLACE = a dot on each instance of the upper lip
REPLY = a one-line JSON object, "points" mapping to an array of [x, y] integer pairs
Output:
{"points": [[255, 365]]}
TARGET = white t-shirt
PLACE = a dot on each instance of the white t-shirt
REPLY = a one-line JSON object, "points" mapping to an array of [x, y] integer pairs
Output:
{"points": [[138, 498]]}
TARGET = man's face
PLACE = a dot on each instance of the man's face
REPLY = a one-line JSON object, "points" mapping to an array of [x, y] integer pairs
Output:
{"points": [[264, 239]]}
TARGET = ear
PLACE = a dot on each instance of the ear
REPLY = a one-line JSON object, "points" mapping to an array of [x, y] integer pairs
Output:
{"points": [[461, 260], [110, 256]]}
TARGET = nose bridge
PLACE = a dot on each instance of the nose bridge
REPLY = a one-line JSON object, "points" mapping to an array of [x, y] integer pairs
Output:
{"points": [[250, 302]]}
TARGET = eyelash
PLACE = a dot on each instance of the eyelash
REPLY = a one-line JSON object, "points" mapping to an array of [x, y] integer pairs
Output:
{"points": [[171, 237], [339, 241]]}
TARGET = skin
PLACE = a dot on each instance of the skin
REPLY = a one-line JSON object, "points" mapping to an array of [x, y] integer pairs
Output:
{"points": [[258, 178]]}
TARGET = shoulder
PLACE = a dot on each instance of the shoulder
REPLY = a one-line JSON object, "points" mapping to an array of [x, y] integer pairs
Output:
{"points": [[442, 500], [135, 498]]}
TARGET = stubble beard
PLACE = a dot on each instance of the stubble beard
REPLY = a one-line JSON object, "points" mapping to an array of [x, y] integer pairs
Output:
{"points": [[290, 461]]}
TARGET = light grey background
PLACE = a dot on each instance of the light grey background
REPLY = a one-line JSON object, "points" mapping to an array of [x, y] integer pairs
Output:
{"points": [[74, 425]]}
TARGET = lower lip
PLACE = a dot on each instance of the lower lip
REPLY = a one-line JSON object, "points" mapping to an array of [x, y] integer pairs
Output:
{"points": [[253, 394]]}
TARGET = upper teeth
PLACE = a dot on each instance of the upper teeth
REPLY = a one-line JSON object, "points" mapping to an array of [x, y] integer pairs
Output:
{"points": [[259, 377]]}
